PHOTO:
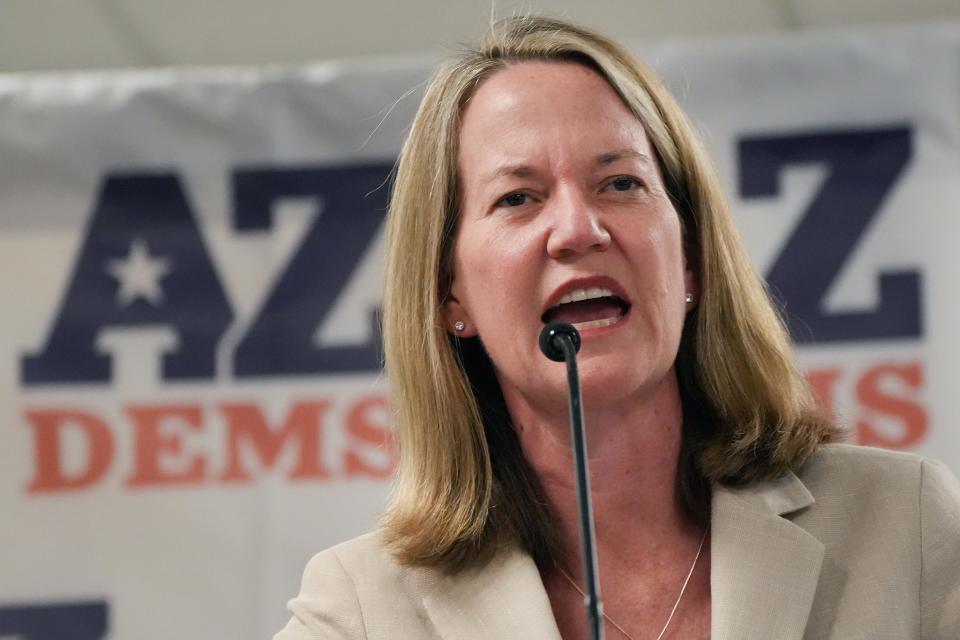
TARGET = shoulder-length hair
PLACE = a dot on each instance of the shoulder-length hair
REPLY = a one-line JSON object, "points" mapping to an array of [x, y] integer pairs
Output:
{"points": [[464, 489]]}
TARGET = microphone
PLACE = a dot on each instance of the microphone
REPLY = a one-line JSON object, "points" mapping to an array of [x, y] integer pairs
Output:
{"points": [[560, 341], [552, 337]]}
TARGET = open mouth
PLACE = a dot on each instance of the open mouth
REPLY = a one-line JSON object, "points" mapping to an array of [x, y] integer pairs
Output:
{"points": [[588, 308]]}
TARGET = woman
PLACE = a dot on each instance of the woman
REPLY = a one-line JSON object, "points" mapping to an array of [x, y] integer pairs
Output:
{"points": [[548, 175]]}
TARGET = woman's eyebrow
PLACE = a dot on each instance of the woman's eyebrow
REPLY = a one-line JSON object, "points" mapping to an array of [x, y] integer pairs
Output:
{"points": [[621, 154], [511, 171], [526, 171]]}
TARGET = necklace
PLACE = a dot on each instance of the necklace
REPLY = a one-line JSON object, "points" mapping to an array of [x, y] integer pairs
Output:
{"points": [[675, 604]]}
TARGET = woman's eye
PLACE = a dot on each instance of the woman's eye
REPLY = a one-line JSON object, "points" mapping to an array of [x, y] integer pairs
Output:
{"points": [[624, 183], [512, 200]]}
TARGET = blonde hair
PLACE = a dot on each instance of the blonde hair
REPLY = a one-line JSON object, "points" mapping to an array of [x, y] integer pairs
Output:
{"points": [[464, 489]]}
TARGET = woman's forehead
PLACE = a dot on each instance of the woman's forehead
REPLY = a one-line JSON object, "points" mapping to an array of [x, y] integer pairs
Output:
{"points": [[544, 87], [542, 108]]}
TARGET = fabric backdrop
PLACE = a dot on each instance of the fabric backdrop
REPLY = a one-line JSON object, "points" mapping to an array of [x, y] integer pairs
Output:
{"points": [[191, 401]]}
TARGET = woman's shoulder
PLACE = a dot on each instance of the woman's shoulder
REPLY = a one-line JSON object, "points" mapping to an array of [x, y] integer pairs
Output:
{"points": [[868, 464], [850, 482], [890, 525], [368, 563], [352, 587], [361, 552], [845, 467]]}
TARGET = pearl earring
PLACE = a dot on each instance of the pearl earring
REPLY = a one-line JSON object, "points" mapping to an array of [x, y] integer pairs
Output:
{"points": [[689, 298], [459, 325]]}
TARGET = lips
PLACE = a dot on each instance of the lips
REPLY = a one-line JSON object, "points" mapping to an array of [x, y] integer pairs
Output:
{"points": [[586, 306]]}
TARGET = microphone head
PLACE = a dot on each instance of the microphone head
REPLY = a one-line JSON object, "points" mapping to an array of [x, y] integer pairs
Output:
{"points": [[552, 334]]}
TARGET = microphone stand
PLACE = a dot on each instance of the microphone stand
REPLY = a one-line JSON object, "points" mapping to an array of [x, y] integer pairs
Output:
{"points": [[560, 341]]}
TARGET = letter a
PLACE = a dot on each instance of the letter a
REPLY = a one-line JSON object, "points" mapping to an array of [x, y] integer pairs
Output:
{"points": [[143, 262]]}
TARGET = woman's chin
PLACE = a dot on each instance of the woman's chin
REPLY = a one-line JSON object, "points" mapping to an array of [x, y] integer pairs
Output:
{"points": [[607, 382]]}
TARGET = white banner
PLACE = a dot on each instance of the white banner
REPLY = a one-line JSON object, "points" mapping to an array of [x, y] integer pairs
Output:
{"points": [[191, 397]]}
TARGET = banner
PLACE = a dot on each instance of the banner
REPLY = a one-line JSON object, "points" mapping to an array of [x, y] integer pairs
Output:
{"points": [[192, 397]]}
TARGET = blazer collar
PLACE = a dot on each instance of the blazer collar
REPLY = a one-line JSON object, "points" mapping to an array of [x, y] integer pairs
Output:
{"points": [[764, 572], [764, 568], [505, 599]]}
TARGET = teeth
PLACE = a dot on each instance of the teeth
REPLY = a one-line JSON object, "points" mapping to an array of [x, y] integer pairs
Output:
{"points": [[593, 324], [585, 294]]}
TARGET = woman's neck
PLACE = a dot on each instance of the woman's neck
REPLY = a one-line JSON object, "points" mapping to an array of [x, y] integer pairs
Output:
{"points": [[633, 451]]}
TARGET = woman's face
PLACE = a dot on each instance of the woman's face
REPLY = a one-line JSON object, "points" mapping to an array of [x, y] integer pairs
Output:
{"points": [[562, 200]]}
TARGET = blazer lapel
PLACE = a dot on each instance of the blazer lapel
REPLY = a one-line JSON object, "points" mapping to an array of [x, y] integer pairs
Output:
{"points": [[764, 572], [506, 599], [764, 568]]}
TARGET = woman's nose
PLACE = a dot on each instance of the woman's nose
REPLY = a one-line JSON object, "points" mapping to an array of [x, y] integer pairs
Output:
{"points": [[576, 228]]}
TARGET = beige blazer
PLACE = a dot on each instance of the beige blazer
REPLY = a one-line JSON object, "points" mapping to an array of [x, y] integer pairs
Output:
{"points": [[858, 544]]}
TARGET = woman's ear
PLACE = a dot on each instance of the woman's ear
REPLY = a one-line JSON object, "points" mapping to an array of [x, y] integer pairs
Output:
{"points": [[692, 289], [691, 277], [457, 319]]}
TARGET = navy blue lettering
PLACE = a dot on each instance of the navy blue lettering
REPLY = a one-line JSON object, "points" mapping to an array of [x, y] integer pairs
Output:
{"points": [[864, 166], [143, 262], [74, 621], [353, 203]]}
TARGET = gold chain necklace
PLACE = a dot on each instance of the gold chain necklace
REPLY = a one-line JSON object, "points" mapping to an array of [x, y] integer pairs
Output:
{"points": [[675, 604]]}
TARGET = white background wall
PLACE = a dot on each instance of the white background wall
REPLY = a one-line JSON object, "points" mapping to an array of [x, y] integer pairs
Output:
{"points": [[85, 34]]}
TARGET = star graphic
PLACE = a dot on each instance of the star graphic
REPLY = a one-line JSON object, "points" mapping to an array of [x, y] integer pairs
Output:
{"points": [[139, 275]]}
